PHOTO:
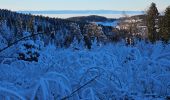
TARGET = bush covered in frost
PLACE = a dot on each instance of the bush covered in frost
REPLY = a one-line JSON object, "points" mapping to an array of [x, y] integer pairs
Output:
{"points": [[28, 50], [112, 71]]}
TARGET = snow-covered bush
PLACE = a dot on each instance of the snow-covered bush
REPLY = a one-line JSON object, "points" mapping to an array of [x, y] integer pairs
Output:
{"points": [[77, 45], [28, 50], [3, 42], [51, 86], [112, 71]]}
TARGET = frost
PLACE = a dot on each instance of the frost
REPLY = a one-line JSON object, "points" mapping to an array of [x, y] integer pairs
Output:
{"points": [[3, 42], [9, 94], [51, 87], [110, 71]]}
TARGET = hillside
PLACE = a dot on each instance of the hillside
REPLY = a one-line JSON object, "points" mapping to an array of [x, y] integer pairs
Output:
{"points": [[92, 18], [63, 31]]}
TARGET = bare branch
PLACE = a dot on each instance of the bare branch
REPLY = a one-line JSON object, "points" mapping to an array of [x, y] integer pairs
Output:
{"points": [[90, 81]]}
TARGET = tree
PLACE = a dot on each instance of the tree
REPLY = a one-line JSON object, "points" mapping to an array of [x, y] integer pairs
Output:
{"points": [[152, 21], [130, 27], [31, 25], [87, 41], [76, 32], [92, 31], [165, 26], [6, 32]]}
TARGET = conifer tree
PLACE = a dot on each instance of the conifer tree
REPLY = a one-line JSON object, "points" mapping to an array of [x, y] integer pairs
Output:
{"points": [[152, 21], [166, 35], [31, 25], [164, 24]]}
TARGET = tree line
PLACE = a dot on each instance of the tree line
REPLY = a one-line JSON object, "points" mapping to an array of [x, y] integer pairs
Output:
{"points": [[61, 31]]}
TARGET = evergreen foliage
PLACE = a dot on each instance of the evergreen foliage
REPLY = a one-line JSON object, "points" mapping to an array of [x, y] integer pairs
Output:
{"points": [[152, 21], [165, 26]]}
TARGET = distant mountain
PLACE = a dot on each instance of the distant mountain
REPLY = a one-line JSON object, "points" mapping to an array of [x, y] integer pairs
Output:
{"points": [[82, 12], [92, 18]]}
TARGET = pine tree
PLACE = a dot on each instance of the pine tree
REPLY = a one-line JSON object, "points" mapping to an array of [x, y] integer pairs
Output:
{"points": [[166, 35], [0, 18], [31, 25], [162, 28], [87, 41], [152, 21], [164, 24]]}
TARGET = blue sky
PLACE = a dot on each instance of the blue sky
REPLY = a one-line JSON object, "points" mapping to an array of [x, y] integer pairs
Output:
{"points": [[81, 4]]}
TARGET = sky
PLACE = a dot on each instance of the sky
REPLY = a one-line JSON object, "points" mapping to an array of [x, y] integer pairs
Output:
{"points": [[122, 5]]}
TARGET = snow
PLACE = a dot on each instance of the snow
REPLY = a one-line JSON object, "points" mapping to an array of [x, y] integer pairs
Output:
{"points": [[26, 34], [3, 42], [112, 24], [111, 71]]}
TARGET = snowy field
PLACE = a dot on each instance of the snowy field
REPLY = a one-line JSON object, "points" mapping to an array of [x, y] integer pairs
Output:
{"points": [[109, 72]]}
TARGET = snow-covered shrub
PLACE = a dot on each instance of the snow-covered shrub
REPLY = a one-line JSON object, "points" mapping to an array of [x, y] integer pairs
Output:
{"points": [[8, 94], [28, 50], [3, 42], [77, 45], [112, 71], [52, 86]]}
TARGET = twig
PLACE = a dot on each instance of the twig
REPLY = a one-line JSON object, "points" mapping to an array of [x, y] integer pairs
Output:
{"points": [[15, 42], [80, 88]]}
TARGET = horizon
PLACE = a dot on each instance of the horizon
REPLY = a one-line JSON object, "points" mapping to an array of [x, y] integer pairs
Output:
{"points": [[76, 10], [77, 13]]}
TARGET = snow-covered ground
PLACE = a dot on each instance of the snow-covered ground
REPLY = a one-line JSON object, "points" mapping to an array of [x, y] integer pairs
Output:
{"points": [[109, 72]]}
